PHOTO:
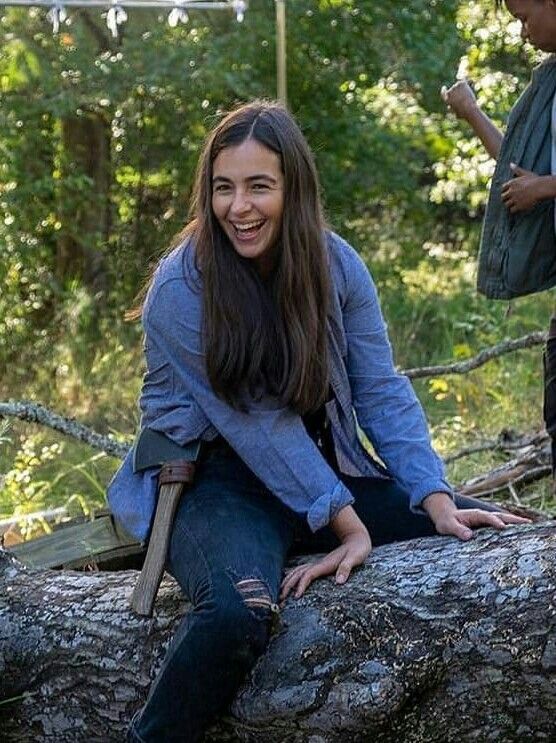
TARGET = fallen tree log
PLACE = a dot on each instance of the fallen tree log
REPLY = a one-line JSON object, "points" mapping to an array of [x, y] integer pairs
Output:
{"points": [[431, 640]]}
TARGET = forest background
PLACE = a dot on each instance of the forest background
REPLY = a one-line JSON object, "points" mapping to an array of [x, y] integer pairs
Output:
{"points": [[98, 143]]}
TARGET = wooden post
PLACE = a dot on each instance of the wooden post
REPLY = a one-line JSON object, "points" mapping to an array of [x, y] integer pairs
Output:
{"points": [[281, 73]]}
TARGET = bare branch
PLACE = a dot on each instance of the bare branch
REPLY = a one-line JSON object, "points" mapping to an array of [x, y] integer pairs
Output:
{"points": [[521, 475], [35, 413], [487, 354], [486, 446], [507, 441]]}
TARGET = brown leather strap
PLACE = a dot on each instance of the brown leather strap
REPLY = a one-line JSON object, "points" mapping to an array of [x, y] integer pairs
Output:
{"points": [[176, 471]]}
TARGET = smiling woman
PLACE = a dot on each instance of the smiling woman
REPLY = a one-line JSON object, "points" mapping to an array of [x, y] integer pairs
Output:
{"points": [[248, 201], [263, 335]]}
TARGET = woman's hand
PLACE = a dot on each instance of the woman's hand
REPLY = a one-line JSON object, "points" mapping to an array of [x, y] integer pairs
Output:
{"points": [[354, 549], [460, 98], [526, 189], [448, 519]]}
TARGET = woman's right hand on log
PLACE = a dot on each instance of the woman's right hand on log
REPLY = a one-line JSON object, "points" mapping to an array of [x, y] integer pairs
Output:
{"points": [[355, 547], [460, 98]]}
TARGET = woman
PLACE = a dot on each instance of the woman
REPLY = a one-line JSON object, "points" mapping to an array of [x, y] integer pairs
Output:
{"points": [[262, 334]]}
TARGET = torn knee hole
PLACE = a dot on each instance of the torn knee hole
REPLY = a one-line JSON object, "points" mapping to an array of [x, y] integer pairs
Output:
{"points": [[255, 593]]}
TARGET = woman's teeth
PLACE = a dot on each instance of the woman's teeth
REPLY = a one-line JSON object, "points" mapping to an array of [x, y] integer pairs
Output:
{"points": [[249, 226], [248, 230]]}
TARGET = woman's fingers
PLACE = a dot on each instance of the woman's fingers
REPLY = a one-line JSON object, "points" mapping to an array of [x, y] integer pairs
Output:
{"points": [[340, 562], [509, 200], [301, 577], [461, 522], [305, 581], [304, 578], [292, 578], [512, 518], [344, 571], [496, 519], [454, 526]]}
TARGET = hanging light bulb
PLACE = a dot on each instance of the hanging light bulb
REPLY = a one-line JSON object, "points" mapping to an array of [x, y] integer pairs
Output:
{"points": [[115, 17], [56, 15], [239, 6], [177, 15]]}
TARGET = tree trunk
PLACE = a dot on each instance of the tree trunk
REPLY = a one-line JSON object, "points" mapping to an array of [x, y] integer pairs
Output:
{"points": [[85, 152], [432, 640]]}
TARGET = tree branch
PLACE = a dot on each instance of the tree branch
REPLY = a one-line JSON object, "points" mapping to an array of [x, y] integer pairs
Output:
{"points": [[35, 413], [487, 354], [507, 441]]}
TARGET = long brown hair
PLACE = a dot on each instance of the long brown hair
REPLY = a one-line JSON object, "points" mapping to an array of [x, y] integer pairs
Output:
{"points": [[265, 335]]}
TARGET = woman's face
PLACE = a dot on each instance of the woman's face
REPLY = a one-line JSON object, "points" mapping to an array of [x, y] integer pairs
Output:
{"points": [[248, 200], [538, 22]]}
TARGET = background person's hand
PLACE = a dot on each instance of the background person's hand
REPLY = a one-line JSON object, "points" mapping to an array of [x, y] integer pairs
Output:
{"points": [[460, 98], [448, 519], [523, 191], [355, 547]]}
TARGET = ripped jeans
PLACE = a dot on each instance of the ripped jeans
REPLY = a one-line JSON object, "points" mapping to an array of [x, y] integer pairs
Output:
{"points": [[229, 545]]}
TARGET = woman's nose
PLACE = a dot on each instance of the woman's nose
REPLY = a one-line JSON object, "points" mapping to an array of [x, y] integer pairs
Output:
{"points": [[240, 204]]}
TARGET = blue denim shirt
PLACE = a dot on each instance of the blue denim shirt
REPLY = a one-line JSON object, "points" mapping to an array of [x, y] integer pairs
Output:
{"points": [[177, 400]]}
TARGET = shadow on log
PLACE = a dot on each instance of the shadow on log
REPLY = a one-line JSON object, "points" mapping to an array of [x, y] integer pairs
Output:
{"points": [[432, 640]]}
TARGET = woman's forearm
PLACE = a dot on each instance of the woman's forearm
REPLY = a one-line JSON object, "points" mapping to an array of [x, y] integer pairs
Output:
{"points": [[346, 522]]}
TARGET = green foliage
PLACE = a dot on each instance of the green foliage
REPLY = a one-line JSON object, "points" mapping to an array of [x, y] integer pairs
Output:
{"points": [[44, 476], [402, 179]]}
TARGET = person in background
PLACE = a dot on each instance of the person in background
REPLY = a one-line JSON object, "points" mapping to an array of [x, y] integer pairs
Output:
{"points": [[518, 244], [525, 189], [263, 335]]}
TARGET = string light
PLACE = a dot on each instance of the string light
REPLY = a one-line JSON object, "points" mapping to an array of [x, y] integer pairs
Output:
{"points": [[239, 6], [115, 17], [116, 14], [177, 15], [56, 15]]}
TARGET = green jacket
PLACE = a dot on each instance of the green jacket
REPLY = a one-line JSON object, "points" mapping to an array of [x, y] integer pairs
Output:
{"points": [[518, 251]]}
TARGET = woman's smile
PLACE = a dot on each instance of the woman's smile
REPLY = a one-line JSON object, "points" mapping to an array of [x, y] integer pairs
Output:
{"points": [[248, 231]]}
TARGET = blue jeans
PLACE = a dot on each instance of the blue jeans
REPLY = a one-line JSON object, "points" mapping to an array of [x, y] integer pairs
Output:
{"points": [[230, 541]]}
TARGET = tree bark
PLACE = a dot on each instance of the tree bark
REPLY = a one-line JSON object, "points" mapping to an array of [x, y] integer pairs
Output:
{"points": [[431, 640], [86, 152]]}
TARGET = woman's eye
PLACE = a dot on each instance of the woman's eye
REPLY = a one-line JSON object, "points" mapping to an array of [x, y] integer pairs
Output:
{"points": [[259, 186], [221, 188]]}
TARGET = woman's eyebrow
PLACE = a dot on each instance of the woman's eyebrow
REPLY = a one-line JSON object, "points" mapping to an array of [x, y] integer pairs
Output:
{"points": [[255, 177], [261, 176]]}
